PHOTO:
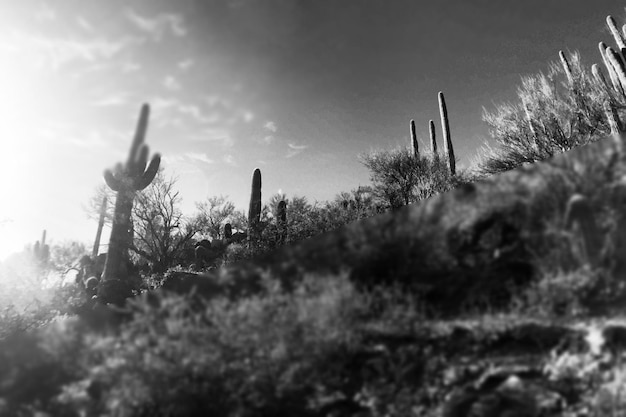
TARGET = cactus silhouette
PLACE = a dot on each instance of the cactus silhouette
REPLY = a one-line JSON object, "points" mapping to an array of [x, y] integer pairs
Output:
{"points": [[254, 211], [619, 39], [414, 145], [445, 127], [282, 221], [103, 211], [433, 139], [126, 179], [41, 251]]}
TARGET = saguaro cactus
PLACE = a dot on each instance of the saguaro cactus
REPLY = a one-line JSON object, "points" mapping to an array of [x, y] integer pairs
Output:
{"points": [[41, 250], [433, 139], [566, 67], [445, 127], [282, 221], [414, 145], [126, 179], [254, 211], [103, 211]]}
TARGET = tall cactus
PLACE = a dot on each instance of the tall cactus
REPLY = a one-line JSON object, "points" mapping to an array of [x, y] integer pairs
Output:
{"points": [[126, 179], [414, 145], [41, 251], [433, 139], [617, 35], [567, 68], [445, 127], [282, 221], [254, 211], [103, 211], [609, 67], [609, 106]]}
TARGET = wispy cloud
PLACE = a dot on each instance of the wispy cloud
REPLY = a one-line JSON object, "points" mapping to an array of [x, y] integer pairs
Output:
{"points": [[45, 13], [54, 53], [193, 111], [117, 99], [248, 116], [84, 24], [217, 135], [268, 139], [229, 159], [295, 150], [171, 83], [158, 25], [186, 64], [130, 67], [271, 126], [198, 156]]}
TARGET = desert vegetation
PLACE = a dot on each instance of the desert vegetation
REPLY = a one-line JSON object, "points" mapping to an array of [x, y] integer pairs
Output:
{"points": [[431, 291]]}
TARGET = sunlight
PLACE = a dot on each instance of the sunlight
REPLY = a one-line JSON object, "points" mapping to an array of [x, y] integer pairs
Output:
{"points": [[21, 110]]}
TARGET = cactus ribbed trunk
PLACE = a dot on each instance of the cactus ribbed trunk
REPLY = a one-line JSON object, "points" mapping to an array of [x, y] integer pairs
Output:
{"points": [[566, 68], [445, 127], [126, 180], [433, 138], [609, 67], [414, 145], [254, 211], [617, 35], [282, 221], [96, 243], [117, 255]]}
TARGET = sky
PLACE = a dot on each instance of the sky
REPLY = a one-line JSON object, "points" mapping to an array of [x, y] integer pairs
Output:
{"points": [[296, 88]]}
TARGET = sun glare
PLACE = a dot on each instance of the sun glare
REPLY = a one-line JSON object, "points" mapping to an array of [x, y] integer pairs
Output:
{"points": [[20, 110]]}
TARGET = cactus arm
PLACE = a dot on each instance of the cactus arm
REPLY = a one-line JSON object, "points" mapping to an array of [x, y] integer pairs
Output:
{"points": [[566, 67], [147, 177], [618, 65], [111, 181], [140, 134], [619, 39], [142, 159]]}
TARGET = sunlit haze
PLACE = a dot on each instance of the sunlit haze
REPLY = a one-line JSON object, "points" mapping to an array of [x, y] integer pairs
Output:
{"points": [[296, 88]]}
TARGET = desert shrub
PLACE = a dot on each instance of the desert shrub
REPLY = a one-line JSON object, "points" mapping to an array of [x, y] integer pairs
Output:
{"points": [[550, 117], [255, 356]]}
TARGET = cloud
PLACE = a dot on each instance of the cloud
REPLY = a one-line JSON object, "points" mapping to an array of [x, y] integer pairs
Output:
{"points": [[229, 159], [295, 150], [186, 64], [185, 109], [129, 66], [45, 13], [84, 24], [171, 83], [268, 139], [248, 116], [118, 99], [197, 156], [158, 25], [271, 126], [216, 135], [54, 53]]}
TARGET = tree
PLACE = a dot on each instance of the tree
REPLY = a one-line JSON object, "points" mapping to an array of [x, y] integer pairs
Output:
{"points": [[161, 232], [400, 178], [554, 113], [213, 214]]}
